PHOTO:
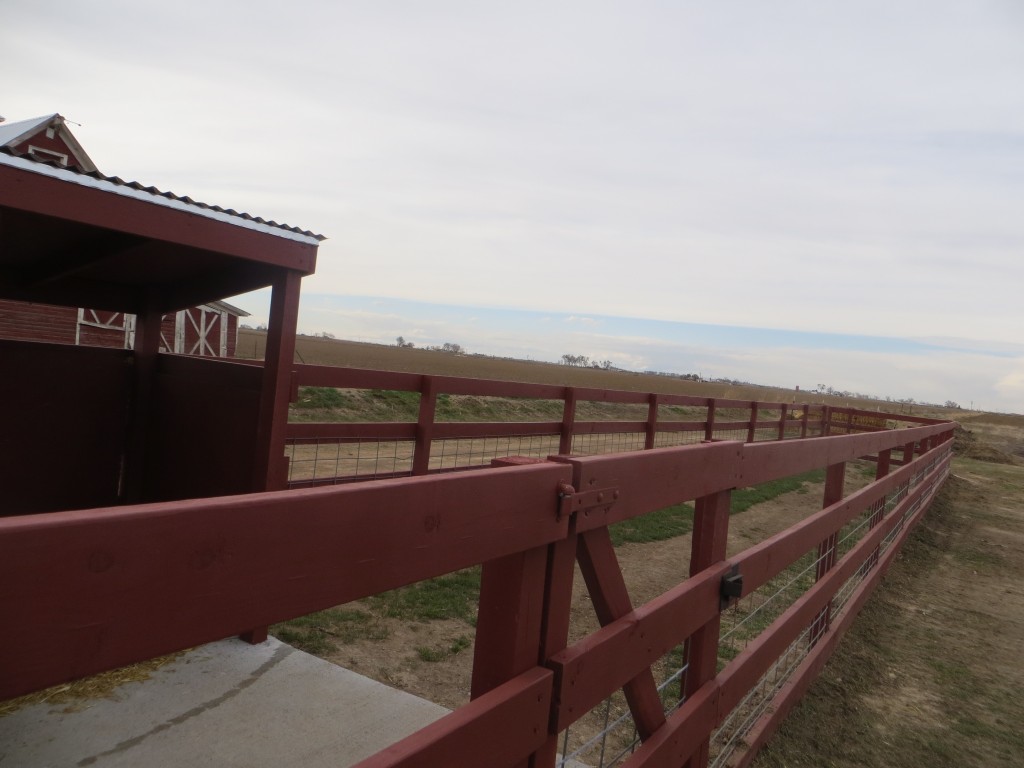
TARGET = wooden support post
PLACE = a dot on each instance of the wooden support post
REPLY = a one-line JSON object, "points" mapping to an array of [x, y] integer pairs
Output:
{"points": [[709, 546], [782, 421], [752, 429], [908, 453], [425, 426], [270, 467], [709, 425], [509, 622], [803, 421], [568, 422], [835, 479], [608, 593], [652, 422], [147, 347], [555, 623]]}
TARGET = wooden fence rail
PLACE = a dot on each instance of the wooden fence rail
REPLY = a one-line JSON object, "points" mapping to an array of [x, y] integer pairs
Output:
{"points": [[331, 453], [79, 588]]}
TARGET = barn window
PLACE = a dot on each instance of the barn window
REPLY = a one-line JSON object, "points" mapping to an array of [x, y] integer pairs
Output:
{"points": [[48, 154]]}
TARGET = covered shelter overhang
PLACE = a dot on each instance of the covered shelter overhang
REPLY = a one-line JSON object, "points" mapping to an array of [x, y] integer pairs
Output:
{"points": [[138, 425], [86, 240]]}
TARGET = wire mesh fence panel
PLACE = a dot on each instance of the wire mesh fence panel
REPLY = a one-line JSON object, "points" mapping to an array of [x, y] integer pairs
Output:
{"points": [[614, 442], [750, 616], [683, 437], [737, 724], [739, 433], [327, 459], [460, 453], [607, 735]]}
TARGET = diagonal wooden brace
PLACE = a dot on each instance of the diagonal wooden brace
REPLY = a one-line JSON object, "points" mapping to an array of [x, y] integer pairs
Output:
{"points": [[607, 588]]}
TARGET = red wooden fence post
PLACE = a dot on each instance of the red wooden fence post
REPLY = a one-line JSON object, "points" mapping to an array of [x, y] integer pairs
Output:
{"points": [[652, 421], [568, 421], [270, 465], [835, 478], [710, 539], [147, 346], [424, 426], [709, 425], [561, 569], [782, 421], [751, 430], [525, 602]]}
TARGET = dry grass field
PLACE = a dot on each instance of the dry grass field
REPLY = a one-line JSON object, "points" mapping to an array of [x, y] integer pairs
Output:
{"points": [[319, 351]]}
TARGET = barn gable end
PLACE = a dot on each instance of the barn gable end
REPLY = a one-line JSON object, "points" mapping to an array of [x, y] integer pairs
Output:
{"points": [[207, 330]]}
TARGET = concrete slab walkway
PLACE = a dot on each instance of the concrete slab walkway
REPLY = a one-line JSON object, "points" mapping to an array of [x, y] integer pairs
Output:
{"points": [[224, 704]]}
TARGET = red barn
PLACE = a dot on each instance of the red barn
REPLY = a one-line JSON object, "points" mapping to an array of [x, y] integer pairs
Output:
{"points": [[209, 330]]}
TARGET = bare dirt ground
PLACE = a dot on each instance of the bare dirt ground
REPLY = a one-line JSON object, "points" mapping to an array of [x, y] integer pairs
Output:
{"points": [[931, 673]]}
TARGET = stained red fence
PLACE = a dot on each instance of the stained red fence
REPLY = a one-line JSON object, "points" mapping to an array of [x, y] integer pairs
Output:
{"points": [[331, 453], [737, 642]]}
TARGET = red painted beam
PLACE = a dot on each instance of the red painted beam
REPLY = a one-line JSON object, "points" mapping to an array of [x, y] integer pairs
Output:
{"points": [[501, 728], [98, 589], [54, 197], [650, 480]]}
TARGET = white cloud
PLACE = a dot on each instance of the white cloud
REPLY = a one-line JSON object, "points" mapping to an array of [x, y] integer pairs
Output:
{"points": [[848, 169]]}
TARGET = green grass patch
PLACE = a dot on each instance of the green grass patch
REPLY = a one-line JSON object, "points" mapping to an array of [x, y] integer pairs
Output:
{"points": [[435, 654], [452, 596], [322, 397], [323, 631], [744, 498], [656, 526], [678, 519]]}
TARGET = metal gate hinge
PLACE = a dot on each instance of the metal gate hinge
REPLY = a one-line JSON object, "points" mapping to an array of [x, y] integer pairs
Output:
{"points": [[582, 501]]}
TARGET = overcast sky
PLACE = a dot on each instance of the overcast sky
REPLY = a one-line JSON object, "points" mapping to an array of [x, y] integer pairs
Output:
{"points": [[828, 168]]}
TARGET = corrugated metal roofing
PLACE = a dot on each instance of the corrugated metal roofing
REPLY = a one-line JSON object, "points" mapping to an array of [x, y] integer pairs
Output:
{"points": [[117, 185], [10, 132]]}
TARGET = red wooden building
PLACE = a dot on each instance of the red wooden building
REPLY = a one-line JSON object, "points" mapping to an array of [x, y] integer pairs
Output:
{"points": [[86, 426], [208, 330]]}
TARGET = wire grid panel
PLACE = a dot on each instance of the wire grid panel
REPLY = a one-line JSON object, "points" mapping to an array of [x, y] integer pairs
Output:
{"points": [[607, 735], [672, 439], [607, 442], [762, 434], [739, 433], [737, 724], [458, 453], [748, 617], [327, 459]]}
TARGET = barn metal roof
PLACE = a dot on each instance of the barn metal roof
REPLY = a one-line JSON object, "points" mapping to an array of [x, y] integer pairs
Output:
{"points": [[118, 186], [13, 134], [85, 239]]}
